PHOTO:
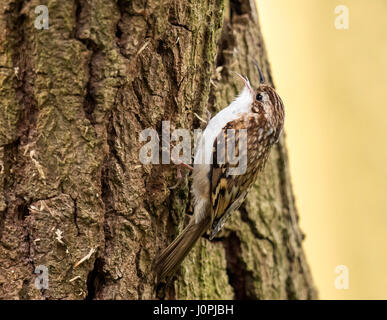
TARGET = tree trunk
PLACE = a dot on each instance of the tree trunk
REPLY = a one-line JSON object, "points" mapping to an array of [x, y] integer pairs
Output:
{"points": [[74, 197]]}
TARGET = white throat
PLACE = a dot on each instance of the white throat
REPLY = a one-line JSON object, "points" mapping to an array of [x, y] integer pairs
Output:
{"points": [[240, 105]]}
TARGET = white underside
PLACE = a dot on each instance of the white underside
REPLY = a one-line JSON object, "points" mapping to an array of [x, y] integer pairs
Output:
{"points": [[203, 154]]}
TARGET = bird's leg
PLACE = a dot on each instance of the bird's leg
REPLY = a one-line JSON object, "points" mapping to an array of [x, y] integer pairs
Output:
{"points": [[200, 118], [206, 121], [179, 164]]}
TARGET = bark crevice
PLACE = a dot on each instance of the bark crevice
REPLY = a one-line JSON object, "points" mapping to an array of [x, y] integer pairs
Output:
{"points": [[95, 280], [73, 189], [236, 269]]}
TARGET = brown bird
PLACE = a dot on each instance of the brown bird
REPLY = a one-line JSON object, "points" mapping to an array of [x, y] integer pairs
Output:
{"points": [[253, 122]]}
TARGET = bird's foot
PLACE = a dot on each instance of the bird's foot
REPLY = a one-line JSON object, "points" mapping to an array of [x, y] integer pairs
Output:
{"points": [[180, 165]]}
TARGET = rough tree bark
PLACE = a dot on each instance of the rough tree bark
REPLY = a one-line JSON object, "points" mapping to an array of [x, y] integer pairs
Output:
{"points": [[74, 98]]}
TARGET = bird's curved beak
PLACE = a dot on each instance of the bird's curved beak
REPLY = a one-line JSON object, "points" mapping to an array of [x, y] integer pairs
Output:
{"points": [[261, 77]]}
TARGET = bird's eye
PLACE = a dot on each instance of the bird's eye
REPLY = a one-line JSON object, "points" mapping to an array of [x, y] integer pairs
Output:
{"points": [[259, 97]]}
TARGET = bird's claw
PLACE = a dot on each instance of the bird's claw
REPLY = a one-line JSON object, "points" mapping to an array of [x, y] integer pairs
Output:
{"points": [[179, 176]]}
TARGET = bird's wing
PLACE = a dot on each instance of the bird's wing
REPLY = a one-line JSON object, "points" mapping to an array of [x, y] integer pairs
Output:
{"points": [[219, 223], [229, 191]]}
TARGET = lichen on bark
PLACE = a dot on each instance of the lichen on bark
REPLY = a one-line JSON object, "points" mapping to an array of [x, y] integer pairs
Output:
{"points": [[74, 196]]}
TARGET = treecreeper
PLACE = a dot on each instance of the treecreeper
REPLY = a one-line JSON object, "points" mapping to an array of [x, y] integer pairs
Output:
{"points": [[252, 124]]}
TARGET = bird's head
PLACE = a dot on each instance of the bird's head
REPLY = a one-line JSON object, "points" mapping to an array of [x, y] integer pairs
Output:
{"points": [[265, 101]]}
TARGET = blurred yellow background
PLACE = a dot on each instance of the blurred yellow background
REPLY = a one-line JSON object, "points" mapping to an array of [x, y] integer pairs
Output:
{"points": [[334, 86]]}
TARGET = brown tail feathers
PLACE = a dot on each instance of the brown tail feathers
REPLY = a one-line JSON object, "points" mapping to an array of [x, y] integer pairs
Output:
{"points": [[171, 257]]}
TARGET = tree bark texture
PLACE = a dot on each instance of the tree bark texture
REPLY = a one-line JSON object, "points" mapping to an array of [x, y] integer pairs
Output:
{"points": [[74, 196]]}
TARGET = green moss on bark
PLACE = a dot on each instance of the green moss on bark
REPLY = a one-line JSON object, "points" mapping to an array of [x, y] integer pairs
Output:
{"points": [[73, 194]]}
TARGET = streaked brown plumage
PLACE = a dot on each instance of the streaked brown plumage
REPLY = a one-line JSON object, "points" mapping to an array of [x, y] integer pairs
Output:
{"points": [[217, 193]]}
